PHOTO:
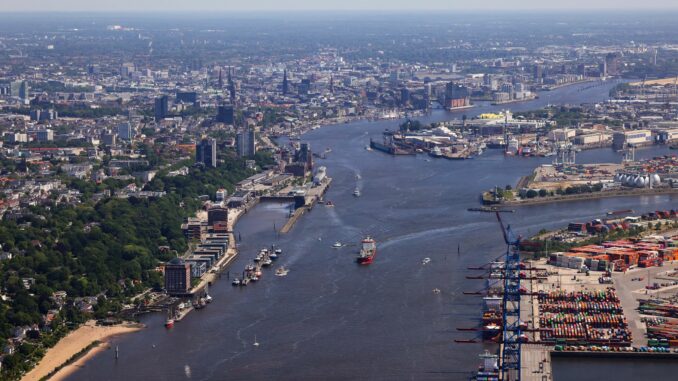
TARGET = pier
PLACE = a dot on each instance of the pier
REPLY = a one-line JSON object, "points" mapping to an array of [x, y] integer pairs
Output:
{"points": [[310, 199]]}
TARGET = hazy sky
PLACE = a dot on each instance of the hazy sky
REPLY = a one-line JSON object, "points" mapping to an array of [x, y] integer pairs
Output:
{"points": [[241, 5]]}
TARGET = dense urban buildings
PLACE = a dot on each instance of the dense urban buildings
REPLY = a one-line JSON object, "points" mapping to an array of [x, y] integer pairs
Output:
{"points": [[132, 146]]}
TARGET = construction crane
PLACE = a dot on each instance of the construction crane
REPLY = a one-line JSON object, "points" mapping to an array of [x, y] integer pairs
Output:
{"points": [[511, 331]]}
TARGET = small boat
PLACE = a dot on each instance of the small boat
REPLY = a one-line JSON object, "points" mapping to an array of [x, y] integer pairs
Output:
{"points": [[273, 256], [258, 258], [267, 263], [169, 323], [256, 343], [336, 245], [356, 192], [278, 251], [329, 204], [436, 291], [357, 176], [436, 152], [236, 282], [425, 261], [281, 271]]}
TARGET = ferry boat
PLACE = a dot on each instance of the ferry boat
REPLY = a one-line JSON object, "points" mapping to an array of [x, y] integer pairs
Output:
{"points": [[367, 251], [356, 192], [489, 370]]}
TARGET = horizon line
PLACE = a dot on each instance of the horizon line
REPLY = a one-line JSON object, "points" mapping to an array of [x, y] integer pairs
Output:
{"points": [[641, 9]]}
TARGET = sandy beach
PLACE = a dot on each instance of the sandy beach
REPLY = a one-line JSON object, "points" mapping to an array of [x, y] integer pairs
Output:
{"points": [[73, 343]]}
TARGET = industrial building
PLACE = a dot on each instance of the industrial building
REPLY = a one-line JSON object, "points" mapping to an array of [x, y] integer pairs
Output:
{"points": [[635, 138]]}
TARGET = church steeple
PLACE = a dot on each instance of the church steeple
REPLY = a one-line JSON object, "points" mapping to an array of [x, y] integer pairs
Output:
{"points": [[231, 86], [285, 84]]}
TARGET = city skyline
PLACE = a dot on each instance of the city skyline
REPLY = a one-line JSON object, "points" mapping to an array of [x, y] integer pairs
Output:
{"points": [[348, 5]]}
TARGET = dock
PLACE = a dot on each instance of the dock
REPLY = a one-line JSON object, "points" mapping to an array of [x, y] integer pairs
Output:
{"points": [[310, 200]]}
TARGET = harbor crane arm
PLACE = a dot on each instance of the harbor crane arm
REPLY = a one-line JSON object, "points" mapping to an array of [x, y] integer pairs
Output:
{"points": [[509, 237]]}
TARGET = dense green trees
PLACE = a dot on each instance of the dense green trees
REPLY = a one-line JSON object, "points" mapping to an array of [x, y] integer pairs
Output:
{"points": [[109, 249]]}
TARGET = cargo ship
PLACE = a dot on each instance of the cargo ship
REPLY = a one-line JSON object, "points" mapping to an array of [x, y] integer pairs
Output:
{"points": [[367, 251], [489, 370]]}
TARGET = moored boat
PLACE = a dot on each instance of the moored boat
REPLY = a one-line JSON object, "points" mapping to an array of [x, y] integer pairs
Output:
{"points": [[489, 370]]}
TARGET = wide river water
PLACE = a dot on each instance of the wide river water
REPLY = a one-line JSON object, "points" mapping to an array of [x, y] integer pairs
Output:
{"points": [[331, 319]]}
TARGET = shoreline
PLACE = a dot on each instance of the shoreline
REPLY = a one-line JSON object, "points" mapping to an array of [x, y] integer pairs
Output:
{"points": [[72, 344], [590, 196]]}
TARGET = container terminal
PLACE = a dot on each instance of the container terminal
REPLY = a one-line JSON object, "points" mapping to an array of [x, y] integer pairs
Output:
{"points": [[616, 299]]}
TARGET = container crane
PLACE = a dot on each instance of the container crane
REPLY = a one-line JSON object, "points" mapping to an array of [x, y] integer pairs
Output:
{"points": [[511, 331]]}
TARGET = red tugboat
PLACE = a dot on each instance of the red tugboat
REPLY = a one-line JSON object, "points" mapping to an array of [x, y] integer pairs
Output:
{"points": [[367, 251], [169, 323]]}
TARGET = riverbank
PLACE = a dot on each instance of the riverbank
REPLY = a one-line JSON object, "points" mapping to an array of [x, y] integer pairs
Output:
{"points": [[74, 343], [590, 196]]}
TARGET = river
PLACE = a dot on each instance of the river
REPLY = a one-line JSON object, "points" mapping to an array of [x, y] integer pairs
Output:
{"points": [[331, 319]]}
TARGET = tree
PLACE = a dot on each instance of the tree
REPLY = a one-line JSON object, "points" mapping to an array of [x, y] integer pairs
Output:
{"points": [[531, 193]]}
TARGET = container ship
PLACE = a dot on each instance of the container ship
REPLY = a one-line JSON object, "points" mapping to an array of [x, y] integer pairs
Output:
{"points": [[489, 370], [367, 251]]}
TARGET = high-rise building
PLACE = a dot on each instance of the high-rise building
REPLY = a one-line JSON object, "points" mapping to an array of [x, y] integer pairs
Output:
{"points": [[206, 152], [109, 139], [247, 143], [538, 73], [190, 97], [177, 277], [46, 135], [161, 107], [19, 89], [226, 114], [125, 131], [613, 63], [405, 95], [220, 83], [217, 214]]}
